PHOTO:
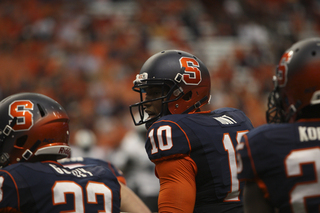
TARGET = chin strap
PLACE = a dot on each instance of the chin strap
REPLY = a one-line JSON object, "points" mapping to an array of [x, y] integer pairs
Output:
{"points": [[196, 105], [4, 160], [7, 130], [29, 152], [4, 157]]}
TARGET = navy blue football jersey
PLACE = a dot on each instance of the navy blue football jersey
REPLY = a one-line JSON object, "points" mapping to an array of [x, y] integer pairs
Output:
{"points": [[74, 162], [50, 187], [209, 139], [285, 161]]}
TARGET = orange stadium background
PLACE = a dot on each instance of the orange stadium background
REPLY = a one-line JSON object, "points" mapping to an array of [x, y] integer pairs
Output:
{"points": [[86, 53]]}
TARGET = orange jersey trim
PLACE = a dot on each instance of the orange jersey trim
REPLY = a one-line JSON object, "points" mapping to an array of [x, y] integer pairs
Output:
{"points": [[185, 134], [201, 112], [15, 184], [308, 120], [177, 185], [250, 155], [122, 180], [260, 182], [9, 210]]}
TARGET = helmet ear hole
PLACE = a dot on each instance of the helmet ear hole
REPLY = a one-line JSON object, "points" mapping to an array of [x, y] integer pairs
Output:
{"points": [[21, 141], [187, 96], [42, 112]]}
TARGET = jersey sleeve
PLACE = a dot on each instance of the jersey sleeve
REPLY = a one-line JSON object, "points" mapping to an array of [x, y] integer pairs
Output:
{"points": [[118, 173], [167, 139], [9, 191], [177, 185]]}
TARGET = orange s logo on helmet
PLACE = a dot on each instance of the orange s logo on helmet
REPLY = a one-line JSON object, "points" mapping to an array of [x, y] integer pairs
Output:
{"points": [[282, 70], [191, 66], [21, 110]]}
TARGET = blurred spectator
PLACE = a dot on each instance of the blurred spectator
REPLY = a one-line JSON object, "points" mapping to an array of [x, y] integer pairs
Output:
{"points": [[85, 53], [131, 158], [85, 145]]}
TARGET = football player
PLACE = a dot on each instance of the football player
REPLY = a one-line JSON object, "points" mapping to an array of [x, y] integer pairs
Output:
{"points": [[34, 135], [193, 150], [281, 161]]}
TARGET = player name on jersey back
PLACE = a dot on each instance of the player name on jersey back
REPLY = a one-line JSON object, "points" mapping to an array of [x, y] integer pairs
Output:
{"points": [[78, 172], [309, 133]]}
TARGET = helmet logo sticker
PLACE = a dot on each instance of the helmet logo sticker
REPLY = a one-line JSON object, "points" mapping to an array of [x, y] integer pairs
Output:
{"points": [[21, 110], [192, 75], [282, 70]]}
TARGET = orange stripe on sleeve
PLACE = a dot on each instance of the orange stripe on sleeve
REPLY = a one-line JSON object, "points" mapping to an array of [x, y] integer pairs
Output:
{"points": [[177, 185], [15, 184], [250, 155], [122, 180]]}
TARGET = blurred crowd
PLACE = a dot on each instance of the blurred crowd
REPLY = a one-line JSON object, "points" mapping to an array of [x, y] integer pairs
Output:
{"points": [[86, 53]]}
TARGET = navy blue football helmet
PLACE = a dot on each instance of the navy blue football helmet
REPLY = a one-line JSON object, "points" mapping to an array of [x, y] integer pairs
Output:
{"points": [[185, 81]]}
